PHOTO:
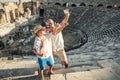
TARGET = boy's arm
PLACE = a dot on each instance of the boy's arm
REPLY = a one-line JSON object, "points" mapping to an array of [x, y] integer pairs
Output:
{"points": [[41, 51], [34, 51]]}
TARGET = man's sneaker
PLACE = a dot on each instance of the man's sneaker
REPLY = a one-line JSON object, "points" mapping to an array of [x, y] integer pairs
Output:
{"points": [[66, 65]]}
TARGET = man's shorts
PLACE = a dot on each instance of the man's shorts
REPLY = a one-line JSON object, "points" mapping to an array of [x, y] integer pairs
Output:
{"points": [[61, 54], [43, 61]]}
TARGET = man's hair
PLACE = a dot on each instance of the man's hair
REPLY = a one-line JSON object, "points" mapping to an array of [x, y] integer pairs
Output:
{"points": [[44, 24]]}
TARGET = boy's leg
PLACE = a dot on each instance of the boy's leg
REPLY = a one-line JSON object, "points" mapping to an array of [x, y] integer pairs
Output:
{"points": [[42, 74], [42, 65], [50, 64], [50, 70]]}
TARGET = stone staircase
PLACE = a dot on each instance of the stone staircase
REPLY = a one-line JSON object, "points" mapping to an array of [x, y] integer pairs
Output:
{"points": [[109, 71], [27, 70]]}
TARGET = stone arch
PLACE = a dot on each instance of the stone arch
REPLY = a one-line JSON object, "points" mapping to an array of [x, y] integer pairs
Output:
{"points": [[2, 16], [109, 6], [82, 4], [41, 12], [90, 5], [41, 3], [99, 5], [49, 3], [58, 4], [73, 5]]}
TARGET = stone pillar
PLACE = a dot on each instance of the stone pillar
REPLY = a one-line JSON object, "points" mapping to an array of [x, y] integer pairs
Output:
{"points": [[20, 7], [37, 6], [3, 19], [12, 15], [17, 13], [34, 10], [7, 13], [25, 14], [28, 12]]}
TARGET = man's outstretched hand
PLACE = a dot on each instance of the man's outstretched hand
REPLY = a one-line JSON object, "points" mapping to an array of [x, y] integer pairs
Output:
{"points": [[66, 12]]}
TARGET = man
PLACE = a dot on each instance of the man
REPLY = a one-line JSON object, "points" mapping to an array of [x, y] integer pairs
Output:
{"points": [[57, 40]]}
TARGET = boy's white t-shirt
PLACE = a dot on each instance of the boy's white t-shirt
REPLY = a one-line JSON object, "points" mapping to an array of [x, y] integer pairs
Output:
{"points": [[48, 45]]}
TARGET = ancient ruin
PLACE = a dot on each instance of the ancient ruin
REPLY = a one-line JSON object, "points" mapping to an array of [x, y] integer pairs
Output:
{"points": [[92, 39]]}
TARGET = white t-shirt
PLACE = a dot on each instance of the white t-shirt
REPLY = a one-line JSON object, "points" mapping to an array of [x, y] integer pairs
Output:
{"points": [[58, 42], [48, 45]]}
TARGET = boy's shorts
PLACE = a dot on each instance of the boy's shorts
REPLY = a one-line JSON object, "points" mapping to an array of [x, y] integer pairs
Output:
{"points": [[61, 54], [43, 61]]}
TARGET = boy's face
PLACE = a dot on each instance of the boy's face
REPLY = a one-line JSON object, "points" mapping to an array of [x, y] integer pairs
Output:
{"points": [[41, 32]]}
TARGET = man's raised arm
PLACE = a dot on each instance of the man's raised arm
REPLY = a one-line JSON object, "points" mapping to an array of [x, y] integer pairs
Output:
{"points": [[63, 24]]}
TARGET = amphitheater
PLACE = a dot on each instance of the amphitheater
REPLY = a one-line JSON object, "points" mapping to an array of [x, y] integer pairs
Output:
{"points": [[92, 42]]}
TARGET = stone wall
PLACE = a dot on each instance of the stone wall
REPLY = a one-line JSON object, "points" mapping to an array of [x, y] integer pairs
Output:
{"points": [[88, 1]]}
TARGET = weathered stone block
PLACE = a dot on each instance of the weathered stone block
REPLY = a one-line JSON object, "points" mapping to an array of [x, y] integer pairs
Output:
{"points": [[57, 77]]}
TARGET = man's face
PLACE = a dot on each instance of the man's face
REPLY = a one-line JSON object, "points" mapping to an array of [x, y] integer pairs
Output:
{"points": [[48, 29], [50, 22]]}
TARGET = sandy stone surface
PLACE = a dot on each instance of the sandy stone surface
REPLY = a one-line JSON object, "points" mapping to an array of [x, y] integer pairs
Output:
{"points": [[15, 69]]}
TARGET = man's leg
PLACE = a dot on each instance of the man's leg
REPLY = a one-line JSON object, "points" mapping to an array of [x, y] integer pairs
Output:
{"points": [[63, 57]]}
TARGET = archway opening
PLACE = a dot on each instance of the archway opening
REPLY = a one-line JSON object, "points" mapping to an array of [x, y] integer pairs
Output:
{"points": [[82, 4], [109, 6], [73, 5], [99, 5], [58, 4], [41, 12], [2, 46]]}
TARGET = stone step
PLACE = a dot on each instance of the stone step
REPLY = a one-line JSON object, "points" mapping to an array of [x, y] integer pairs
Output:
{"points": [[68, 70], [24, 77], [86, 75], [98, 74], [19, 72], [16, 64], [57, 77], [104, 74], [110, 63]]}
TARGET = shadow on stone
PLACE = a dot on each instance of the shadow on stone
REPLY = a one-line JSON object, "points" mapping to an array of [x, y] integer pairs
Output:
{"points": [[9, 73]]}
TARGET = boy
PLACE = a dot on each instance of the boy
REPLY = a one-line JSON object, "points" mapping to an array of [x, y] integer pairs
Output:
{"points": [[40, 49]]}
